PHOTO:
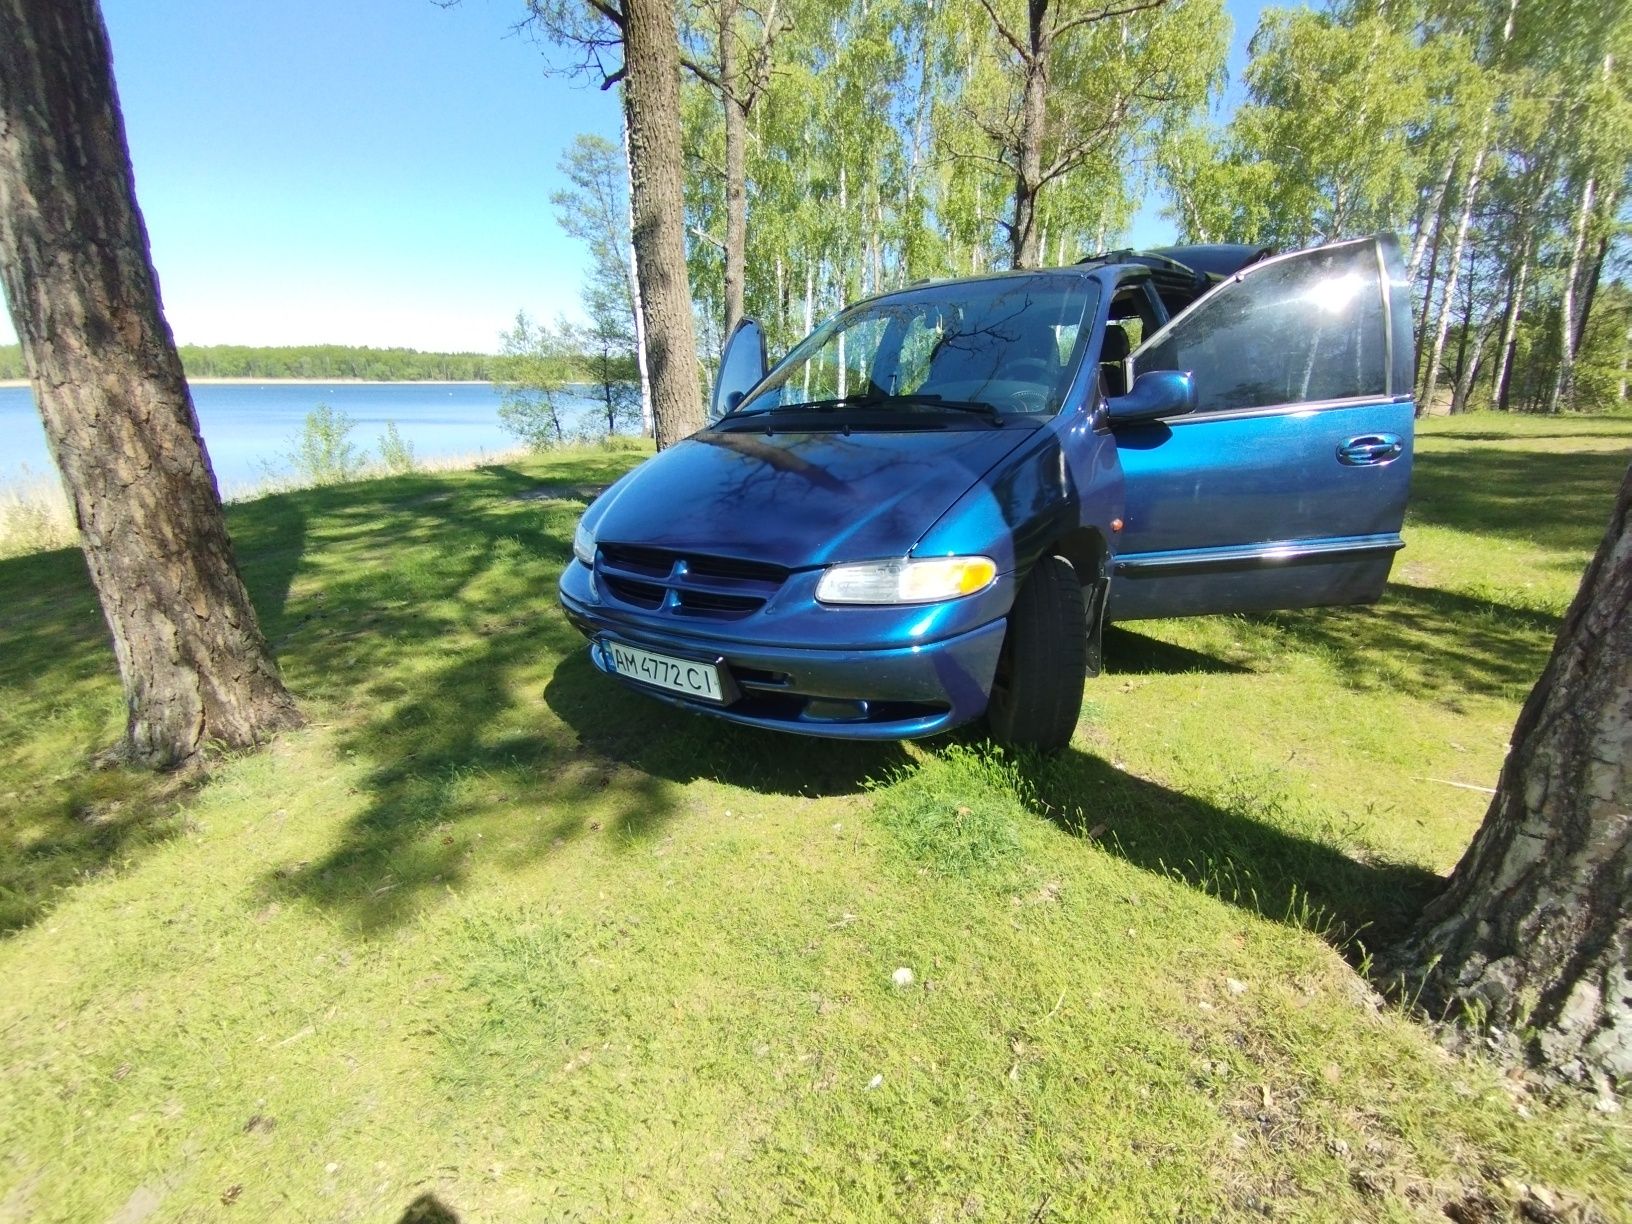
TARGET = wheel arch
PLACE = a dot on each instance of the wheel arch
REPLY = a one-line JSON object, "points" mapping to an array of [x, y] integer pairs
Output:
{"points": [[1085, 549]]}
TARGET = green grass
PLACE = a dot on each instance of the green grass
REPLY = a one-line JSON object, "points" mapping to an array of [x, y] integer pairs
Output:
{"points": [[493, 937]]}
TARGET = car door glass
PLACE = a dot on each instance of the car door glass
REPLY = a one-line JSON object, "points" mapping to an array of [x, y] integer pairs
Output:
{"points": [[1291, 331]]}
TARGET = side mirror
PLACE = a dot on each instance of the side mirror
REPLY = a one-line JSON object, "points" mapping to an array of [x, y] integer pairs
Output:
{"points": [[1156, 393], [742, 367]]}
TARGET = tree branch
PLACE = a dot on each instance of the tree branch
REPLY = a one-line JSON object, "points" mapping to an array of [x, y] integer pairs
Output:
{"points": [[1065, 27], [699, 232], [1008, 34], [609, 11]]}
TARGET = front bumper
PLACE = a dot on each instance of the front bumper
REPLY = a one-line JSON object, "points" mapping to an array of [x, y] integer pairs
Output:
{"points": [[896, 692]]}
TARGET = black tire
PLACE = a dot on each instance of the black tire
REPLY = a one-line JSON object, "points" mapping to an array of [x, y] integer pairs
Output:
{"points": [[1037, 693]]}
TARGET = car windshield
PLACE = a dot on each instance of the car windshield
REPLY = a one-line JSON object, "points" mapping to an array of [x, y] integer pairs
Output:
{"points": [[994, 348]]}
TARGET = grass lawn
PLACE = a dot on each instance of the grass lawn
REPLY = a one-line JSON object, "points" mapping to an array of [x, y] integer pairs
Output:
{"points": [[494, 939]]}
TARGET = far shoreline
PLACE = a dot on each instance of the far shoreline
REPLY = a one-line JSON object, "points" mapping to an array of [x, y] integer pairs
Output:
{"points": [[311, 382]]}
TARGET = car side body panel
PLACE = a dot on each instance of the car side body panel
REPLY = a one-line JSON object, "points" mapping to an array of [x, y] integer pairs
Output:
{"points": [[1258, 512], [712, 551]]}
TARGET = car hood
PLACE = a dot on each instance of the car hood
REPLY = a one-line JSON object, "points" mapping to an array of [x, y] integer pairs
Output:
{"points": [[799, 499]]}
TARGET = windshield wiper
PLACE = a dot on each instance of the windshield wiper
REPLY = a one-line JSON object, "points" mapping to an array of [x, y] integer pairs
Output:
{"points": [[979, 406], [886, 401]]}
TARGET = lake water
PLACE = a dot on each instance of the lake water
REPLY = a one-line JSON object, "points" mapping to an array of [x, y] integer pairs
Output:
{"points": [[250, 427]]}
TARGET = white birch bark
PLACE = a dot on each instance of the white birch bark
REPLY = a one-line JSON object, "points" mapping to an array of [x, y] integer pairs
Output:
{"points": [[647, 424]]}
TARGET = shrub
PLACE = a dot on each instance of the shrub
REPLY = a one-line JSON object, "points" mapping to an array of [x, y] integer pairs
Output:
{"points": [[396, 452], [323, 453], [35, 516]]}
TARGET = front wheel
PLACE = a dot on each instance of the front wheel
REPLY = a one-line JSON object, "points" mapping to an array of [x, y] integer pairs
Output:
{"points": [[1037, 692]]}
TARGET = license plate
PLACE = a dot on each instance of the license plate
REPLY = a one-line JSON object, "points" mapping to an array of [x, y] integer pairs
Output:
{"points": [[686, 676]]}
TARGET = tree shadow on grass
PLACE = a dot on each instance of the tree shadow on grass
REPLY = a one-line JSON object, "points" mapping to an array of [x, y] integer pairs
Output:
{"points": [[1560, 501], [1437, 644], [1245, 850], [1128, 653], [67, 816], [428, 1209], [614, 721], [429, 634]]}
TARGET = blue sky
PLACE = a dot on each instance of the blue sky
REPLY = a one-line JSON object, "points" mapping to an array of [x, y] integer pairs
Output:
{"points": [[366, 172]]}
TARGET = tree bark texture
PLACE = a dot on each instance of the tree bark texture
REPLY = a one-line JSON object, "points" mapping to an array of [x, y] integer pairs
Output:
{"points": [[1028, 176], [118, 415], [1533, 935], [652, 96]]}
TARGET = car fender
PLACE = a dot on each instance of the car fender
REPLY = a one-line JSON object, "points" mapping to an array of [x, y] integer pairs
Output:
{"points": [[1060, 484]]}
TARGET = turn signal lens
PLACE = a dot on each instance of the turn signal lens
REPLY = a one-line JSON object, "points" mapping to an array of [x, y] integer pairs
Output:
{"points": [[906, 581]]}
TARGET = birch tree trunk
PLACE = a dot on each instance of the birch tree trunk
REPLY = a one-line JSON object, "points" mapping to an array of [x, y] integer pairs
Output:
{"points": [[1430, 217], [1469, 371], [1469, 196], [1590, 293], [736, 168], [1428, 299], [647, 424], [118, 415], [1626, 364], [1564, 378], [1532, 938], [1510, 323], [652, 104]]}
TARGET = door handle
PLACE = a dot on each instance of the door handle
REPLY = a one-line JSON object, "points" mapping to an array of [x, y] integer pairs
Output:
{"points": [[1370, 450]]}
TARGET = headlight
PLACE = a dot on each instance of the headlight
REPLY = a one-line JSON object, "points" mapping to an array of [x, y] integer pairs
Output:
{"points": [[583, 545], [905, 581]]}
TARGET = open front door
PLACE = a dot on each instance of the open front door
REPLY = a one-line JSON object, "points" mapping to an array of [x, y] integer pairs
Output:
{"points": [[1286, 487]]}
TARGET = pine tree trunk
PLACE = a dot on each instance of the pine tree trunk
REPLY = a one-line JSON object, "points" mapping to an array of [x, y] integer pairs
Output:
{"points": [[736, 171], [652, 98], [118, 415], [647, 423], [1533, 935]]}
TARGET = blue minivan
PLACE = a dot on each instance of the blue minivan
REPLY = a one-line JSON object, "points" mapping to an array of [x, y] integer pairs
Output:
{"points": [[930, 508]]}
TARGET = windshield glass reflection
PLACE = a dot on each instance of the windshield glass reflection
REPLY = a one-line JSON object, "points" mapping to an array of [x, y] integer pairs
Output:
{"points": [[1004, 346]]}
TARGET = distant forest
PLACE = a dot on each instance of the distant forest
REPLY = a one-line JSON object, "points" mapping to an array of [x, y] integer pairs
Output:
{"points": [[311, 361]]}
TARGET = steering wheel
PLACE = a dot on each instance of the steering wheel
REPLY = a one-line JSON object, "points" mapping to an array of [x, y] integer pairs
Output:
{"points": [[1030, 399]]}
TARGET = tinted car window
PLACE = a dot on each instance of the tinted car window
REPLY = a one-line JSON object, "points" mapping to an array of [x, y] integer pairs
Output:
{"points": [[1294, 331]]}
